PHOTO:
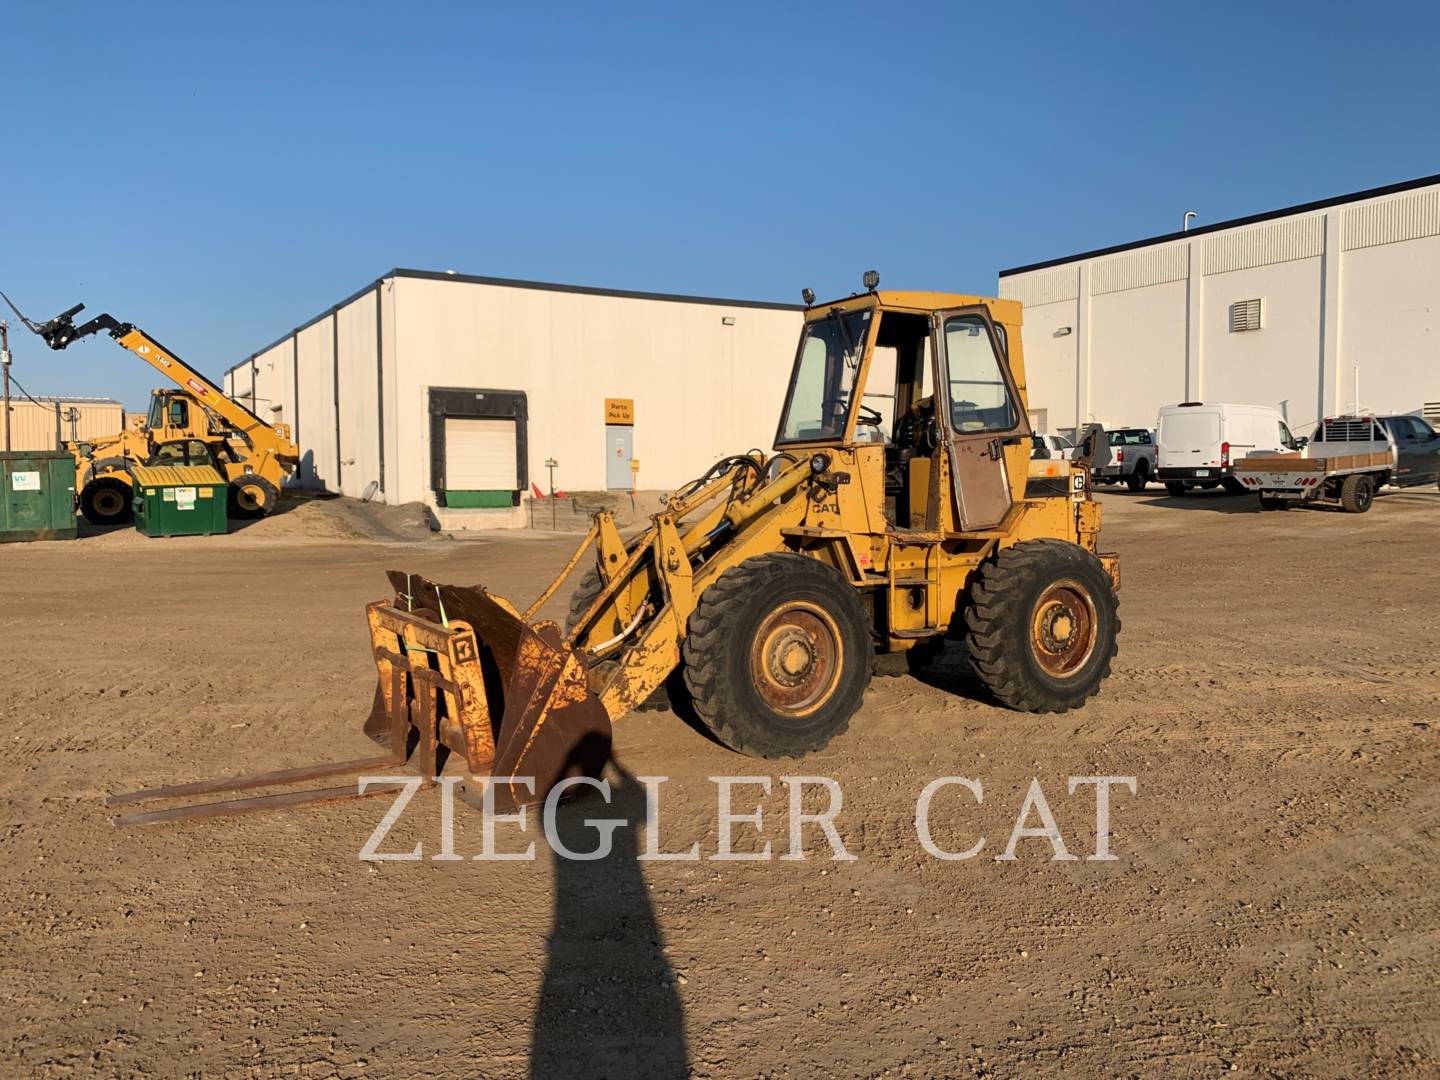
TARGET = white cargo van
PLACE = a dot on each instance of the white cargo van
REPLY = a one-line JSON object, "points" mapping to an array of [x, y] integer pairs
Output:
{"points": [[1199, 443]]}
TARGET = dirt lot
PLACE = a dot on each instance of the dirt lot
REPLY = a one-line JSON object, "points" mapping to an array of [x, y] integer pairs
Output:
{"points": [[1273, 910]]}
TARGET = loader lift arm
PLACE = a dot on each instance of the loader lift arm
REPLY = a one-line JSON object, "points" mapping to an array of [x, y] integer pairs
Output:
{"points": [[263, 438]]}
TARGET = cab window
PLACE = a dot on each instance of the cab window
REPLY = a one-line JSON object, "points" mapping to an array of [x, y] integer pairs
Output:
{"points": [[821, 388], [979, 397]]}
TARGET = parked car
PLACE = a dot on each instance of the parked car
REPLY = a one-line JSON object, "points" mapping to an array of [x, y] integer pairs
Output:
{"points": [[1418, 445], [1051, 446], [1132, 459], [1199, 442]]}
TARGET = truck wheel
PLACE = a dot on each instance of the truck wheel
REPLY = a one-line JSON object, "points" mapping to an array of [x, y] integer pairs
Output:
{"points": [[1233, 486], [1137, 480], [251, 497], [1042, 624], [1357, 493], [1273, 502], [107, 501], [1176, 487], [777, 655]]}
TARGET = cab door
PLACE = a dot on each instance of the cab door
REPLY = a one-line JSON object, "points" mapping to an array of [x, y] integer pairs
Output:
{"points": [[978, 409]]}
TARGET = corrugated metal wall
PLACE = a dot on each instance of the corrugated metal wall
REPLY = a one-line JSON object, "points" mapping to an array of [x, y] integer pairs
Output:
{"points": [[33, 426], [1346, 290]]}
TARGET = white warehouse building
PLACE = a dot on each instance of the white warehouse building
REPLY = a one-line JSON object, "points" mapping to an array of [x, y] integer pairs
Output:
{"points": [[455, 390], [1315, 310]]}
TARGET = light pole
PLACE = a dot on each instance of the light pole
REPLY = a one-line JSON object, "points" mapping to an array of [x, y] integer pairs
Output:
{"points": [[5, 367], [1185, 221]]}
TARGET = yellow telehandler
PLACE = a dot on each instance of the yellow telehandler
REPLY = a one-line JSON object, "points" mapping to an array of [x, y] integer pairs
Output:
{"points": [[900, 508], [198, 424]]}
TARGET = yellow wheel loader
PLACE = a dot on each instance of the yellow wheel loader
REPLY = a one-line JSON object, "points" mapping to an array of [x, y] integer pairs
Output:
{"points": [[197, 424], [900, 508]]}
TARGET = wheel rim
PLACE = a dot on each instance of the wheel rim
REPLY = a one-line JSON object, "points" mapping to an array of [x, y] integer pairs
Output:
{"points": [[1363, 495], [1062, 628], [796, 658], [250, 497], [108, 503]]}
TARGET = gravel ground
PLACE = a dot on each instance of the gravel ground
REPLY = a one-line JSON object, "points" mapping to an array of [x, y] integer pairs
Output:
{"points": [[1272, 911]]}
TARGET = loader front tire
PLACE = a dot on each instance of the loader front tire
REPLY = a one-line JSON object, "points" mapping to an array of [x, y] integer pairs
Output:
{"points": [[252, 497], [777, 655], [1041, 625], [106, 500], [583, 596]]}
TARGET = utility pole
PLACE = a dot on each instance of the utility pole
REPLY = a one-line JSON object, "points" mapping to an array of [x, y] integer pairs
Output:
{"points": [[5, 367]]}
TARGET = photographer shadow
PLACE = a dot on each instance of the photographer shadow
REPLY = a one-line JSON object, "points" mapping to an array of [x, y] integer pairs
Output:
{"points": [[608, 1005]]}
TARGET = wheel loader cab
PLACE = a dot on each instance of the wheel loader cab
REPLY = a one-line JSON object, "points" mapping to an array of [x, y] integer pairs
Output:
{"points": [[925, 381]]}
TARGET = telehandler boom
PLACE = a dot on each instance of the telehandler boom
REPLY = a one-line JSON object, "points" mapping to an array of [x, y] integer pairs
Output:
{"points": [[899, 510], [199, 424]]}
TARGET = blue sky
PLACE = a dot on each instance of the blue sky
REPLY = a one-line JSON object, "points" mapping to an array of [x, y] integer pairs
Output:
{"points": [[218, 173]]}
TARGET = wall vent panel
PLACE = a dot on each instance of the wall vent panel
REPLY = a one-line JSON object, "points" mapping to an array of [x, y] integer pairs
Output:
{"points": [[1263, 245], [1042, 286], [1154, 266], [1408, 218]]}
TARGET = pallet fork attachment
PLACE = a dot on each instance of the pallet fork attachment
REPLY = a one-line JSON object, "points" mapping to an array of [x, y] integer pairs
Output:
{"points": [[459, 672]]}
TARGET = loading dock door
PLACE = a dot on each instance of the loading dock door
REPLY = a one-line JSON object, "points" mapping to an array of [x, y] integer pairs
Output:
{"points": [[481, 461]]}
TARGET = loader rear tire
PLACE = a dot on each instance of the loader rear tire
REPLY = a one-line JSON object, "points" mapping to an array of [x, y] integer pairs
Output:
{"points": [[777, 655], [1042, 623], [107, 500], [252, 497], [1357, 493]]}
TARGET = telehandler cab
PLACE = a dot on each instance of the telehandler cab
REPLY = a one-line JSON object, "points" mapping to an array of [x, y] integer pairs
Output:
{"points": [[900, 508]]}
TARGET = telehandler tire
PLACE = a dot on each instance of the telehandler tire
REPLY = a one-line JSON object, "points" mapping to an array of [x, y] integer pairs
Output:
{"points": [[1042, 623], [252, 497], [1357, 493], [777, 655], [107, 500]]}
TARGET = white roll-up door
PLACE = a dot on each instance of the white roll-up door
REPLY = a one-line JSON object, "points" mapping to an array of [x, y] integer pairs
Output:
{"points": [[480, 454]]}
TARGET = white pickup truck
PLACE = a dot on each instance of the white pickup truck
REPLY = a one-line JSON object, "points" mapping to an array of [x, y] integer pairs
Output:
{"points": [[1346, 461]]}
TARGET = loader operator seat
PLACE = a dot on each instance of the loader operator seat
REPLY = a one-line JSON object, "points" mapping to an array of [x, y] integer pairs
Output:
{"points": [[916, 435], [916, 431]]}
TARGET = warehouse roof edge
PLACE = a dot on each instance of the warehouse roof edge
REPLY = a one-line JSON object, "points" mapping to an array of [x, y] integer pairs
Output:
{"points": [[514, 283], [1220, 226]]}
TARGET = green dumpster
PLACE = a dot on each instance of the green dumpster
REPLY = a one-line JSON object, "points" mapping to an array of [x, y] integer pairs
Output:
{"points": [[37, 495], [179, 500]]}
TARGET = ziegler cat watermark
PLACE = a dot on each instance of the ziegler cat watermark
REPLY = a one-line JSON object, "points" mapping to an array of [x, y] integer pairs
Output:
{"points": [[727, 819]]}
